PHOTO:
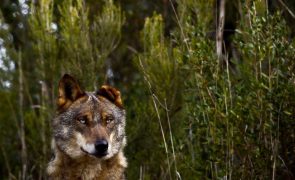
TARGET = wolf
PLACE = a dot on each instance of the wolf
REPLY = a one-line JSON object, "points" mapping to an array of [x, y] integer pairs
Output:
{"points": [[88, 133]]}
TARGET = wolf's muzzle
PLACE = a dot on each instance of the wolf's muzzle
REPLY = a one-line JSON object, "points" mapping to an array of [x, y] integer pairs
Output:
{"points": [[101, 147]]}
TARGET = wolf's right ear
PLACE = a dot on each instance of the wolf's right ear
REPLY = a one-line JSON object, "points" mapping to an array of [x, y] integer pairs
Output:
{"points": [[68, 91], [112, 94]]}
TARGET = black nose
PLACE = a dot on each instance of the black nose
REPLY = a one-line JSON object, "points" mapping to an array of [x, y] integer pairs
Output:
{"points": [[101, 147]]}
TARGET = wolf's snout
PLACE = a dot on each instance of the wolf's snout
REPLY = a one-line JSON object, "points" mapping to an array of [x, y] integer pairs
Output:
{"points": [[101, 147]]}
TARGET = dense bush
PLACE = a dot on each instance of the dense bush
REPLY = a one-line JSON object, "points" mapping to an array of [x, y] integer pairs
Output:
{"points": [[235, 116], [189, 115]]}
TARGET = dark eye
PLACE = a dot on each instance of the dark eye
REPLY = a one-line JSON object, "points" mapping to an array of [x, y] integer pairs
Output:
{"points": [[109, 119], [82, 119]]}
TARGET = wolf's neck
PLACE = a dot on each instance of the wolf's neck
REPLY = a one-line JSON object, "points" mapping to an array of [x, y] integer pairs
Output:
{"points": [[63, 167]]}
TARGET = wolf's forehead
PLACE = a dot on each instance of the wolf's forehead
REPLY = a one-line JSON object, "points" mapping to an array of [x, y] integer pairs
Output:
{"points": [[92, 103], [92, 97], [95, 103]]}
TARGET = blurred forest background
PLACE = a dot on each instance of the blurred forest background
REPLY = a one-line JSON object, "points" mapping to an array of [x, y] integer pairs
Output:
{"points": [[209, 86]]}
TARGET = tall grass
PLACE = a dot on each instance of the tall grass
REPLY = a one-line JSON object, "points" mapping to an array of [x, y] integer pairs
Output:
{"points": [[234, 118]]}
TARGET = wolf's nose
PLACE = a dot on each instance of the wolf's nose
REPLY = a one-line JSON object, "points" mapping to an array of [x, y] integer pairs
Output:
{"points": [[101, 147]]}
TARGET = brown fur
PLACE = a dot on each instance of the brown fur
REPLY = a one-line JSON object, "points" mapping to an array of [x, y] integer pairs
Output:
{"points": [[68, 169], [83, 119]]}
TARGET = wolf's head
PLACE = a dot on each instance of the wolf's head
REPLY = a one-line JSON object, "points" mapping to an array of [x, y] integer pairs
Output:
{"points": [[88, 123]]}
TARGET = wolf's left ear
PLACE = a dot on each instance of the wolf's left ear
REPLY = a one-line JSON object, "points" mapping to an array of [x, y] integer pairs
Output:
{"points": [[68, 91], [112, 94]]}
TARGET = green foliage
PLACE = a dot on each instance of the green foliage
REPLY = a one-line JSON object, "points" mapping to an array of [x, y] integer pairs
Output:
{"points": [[67, 41], [152, 113], [236, 122], [86, 43], [158, 62], [188, 115]]}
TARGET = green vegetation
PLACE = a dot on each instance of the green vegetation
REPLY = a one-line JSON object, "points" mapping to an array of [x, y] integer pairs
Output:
{"points": [[189, 114]]}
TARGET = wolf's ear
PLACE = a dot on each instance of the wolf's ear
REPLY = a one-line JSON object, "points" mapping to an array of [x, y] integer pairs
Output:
{"points": [[112, 94], [68, 91]]}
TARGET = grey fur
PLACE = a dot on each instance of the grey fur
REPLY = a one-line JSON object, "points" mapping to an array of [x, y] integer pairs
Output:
{"points": [[83, 120], [64, 124]]}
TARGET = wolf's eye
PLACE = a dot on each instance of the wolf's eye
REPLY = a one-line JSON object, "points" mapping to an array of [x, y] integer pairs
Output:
{"points": [[82, 120], [109, 119]]}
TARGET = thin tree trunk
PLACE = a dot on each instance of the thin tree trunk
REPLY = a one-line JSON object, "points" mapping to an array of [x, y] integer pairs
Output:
{"points": [[21, 119], [43, 118], [220, 29]]}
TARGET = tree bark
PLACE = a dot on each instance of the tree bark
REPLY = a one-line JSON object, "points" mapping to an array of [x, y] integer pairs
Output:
{"points": [[21, 119], [220, 29]]}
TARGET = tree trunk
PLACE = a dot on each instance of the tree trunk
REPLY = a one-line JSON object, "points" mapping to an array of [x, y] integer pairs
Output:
{"points": [[21, 119], [220, 29]]}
